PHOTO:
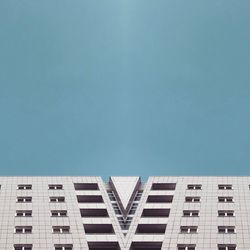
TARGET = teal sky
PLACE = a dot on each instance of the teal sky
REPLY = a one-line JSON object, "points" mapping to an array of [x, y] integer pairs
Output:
{"points": [[124, 87]]}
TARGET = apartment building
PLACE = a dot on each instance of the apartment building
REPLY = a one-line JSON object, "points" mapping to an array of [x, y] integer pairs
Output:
{"points": [[176, 213]]}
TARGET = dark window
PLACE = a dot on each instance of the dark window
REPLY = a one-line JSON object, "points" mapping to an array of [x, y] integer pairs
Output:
{"points": [[194, 186], [55, 186], [24, 187], [86, 186], [103, 245], [57, 199], [133, 208], [226, 229], [192, 199], [151, 229], [89, 198], [138, 195], [23, 213], [225, 187], [155, 212], [189, 229], [163, 186], [226, 247], [98, 229], [190, 213], [58, 213], [111, 195], [226, 213], [23, 229], [23, 247], [24, 199], [160, 198], [93, 212], [225, 199], [64, 247], [146, 245], [186, 247], [61, 229]]}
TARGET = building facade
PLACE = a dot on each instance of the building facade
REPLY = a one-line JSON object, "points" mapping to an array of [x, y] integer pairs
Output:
{"points": [[176, 213]]}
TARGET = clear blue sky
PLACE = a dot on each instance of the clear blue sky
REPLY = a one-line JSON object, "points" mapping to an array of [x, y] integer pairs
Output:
{"points": [[124, 87]]}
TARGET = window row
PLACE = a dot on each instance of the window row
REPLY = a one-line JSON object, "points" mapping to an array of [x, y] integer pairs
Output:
{"points": [[55, 229], [155, 186], [220, 186], [196, 213], [56, 247], [221, 229], [28, 199], [77, 186], [29, 186], [219, 247], [172, 186], [195, 199], [28, 213]]}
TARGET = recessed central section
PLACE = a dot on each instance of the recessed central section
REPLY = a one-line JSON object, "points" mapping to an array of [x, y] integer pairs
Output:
{"points": [[125, 189]]}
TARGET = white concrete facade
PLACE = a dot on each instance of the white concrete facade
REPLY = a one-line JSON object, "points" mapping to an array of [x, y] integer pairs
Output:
{"points": [[184, 213]]}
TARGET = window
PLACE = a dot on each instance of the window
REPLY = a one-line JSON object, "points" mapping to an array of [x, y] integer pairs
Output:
{"points": [[111, 195], [24, 187], [226, 213], [24, 199], [86, 186], [192, 199], [55, 187], [138, 195], [116, 208], [133, 208], [57, 199], [61, 229], [125, 223], [23, 213], [23, 229], [194, 186], [226, 229], [163, 186], [226, 247], [189, 229], [64, 247], [225, 199], [58, 213], [186, 247], [225, 187], [23, 247], [190, 213]]}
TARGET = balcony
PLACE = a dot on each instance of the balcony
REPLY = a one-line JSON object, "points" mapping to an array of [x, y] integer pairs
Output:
{"points": [[155, 212], [98, 229], [151, 229], [89, 212], [89, 199], [146, 246], [103, 245], [86, 186]]}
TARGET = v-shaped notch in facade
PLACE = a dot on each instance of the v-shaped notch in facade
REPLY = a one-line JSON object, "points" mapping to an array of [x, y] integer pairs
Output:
{"points": [[125, 189]]}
